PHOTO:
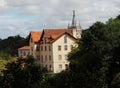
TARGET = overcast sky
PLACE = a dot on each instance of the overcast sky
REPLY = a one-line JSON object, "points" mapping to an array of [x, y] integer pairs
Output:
{"points": [[22, 16]]}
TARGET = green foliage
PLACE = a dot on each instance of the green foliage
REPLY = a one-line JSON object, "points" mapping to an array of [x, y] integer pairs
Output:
{"points": [[11, 44], [5, 56], [116, 81], [4, 59], [118, 17], [23, 73], [98, 54]]}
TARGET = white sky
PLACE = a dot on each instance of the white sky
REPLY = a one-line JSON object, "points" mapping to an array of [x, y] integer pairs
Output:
{"points": [[22, 16]]}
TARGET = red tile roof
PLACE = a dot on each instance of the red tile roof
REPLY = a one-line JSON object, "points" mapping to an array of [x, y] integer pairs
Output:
{"points": [[60, 36], [54, 34], [24, 48], [35, 36], [51, 34]]}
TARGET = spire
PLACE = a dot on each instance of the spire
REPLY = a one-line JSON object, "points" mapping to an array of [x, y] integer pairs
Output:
{"points": [[68, 25], [73, 20], [79, 25]]}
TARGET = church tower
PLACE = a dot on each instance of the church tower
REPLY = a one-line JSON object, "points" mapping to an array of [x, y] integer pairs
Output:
{"points": [[75, 28]]}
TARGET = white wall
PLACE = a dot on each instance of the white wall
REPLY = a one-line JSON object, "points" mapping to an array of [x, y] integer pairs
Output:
{"points": [[23, 53], [56, 53], [45, 53]]}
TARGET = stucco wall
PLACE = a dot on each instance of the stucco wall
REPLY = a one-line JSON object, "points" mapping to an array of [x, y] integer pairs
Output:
{"points": [[62, 52]]}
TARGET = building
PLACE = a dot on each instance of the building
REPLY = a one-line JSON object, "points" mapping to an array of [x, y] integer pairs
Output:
{"points": [[23, 51], [34, 38], [50, 47]]}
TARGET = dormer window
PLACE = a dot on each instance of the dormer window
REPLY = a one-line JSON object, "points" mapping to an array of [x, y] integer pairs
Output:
{"points": [[45, 39]]}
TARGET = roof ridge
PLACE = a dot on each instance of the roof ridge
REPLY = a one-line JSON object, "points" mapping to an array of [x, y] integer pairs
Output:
{"points": [[56, 29], [24, 47]]}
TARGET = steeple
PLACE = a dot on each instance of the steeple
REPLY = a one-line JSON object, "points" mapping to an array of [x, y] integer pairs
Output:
{"points": [[73, 25], [68, 25], [75, 28]]}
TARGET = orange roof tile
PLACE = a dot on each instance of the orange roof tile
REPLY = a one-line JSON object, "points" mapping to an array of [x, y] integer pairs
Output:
{"points": [[24, 48], [35, 36], [62, 35], [54, 34]]}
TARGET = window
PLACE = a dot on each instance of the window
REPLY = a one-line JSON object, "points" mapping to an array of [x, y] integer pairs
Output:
{"points": [[66, 66], [41, 48], [65, 39], [46, 67], [21, 51], [66, 57], [31, 48], [24, 53], [59, 57], [28, 52], [59, 48], [50, 68], [71, 47], [38, 48], [45, 48], [38, 57], [45, 58], [65, 47], [60, 67], [41, 58], [49, 48], [49, 57]]}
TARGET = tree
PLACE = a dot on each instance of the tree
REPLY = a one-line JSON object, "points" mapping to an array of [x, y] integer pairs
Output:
{"points": [[4, 59], [116, 81], [91, 59], [23, 73], [114, 26], [12, 43]]}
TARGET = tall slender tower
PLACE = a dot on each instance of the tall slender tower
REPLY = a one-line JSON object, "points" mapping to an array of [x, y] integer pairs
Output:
{"points": [[73, 25], [75, 29]]}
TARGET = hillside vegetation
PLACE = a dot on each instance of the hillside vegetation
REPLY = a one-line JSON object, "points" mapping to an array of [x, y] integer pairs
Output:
{"points": [[12, 43]]}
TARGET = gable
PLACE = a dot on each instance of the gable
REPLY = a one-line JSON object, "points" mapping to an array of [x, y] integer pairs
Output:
{"points": [[35, 36], [51, 35], [61, 38]]}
